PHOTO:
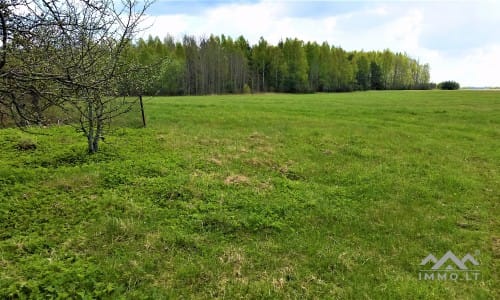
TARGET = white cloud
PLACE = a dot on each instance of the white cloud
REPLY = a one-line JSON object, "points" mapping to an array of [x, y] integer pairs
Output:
{"points": [[250, 20], [480, 67], [399, 27]]}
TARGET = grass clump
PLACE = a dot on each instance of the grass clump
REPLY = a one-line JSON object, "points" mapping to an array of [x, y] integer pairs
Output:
{"points": [[25, 145]]}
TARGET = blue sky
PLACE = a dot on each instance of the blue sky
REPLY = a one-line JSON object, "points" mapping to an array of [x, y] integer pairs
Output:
{"points": [[459, 39]]}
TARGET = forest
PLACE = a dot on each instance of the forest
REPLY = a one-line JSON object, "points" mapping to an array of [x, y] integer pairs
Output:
{"points": [[221, 64]]}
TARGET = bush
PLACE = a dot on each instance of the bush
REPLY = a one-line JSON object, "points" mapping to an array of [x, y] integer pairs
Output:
{"points": [[448, 85], [247, 89], [26, 144]]}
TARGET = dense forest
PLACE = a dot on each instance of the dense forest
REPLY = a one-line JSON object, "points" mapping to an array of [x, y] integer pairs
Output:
{"points": [[218, 65]]}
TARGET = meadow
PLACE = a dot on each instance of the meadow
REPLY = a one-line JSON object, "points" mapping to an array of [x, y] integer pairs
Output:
{"points": [[264, 196]]}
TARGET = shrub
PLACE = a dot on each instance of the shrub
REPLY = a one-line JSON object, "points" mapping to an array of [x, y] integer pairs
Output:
{"points": [[246, 89], [449, 85], [26, 144]]}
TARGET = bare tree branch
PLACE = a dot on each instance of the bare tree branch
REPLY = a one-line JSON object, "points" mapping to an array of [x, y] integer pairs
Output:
{"points": [[68, 55]]}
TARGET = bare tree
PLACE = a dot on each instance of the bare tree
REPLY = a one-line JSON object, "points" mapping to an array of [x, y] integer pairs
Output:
{"points": [[69, 55]]}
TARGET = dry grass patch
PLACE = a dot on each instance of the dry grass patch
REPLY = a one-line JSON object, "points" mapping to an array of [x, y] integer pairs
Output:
{"points": [[215, 161], [236, 179], [234, 257], [264, 186], [259, 162], [72, 182], [496, 246]]}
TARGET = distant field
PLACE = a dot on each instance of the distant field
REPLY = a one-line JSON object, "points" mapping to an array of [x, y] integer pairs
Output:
{"points": [[258, 196]]}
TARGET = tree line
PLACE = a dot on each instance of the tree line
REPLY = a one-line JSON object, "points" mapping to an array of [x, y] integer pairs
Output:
{"points": [[220, 64]]}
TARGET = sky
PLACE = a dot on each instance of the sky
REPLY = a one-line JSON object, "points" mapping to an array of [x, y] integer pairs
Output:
{"points": [[460, 40]]}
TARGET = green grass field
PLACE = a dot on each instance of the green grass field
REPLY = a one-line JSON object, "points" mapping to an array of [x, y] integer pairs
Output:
{"points": [[315, 196]]}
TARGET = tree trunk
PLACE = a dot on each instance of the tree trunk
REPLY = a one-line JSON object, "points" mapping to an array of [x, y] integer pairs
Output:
{"points": [[263, 76], [95, 144], [142, 112], [95, 124], [98, 135], [90, 132], [35, 100], [91, 146]]}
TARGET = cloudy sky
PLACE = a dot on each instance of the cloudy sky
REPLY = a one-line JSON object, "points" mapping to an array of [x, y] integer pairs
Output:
{"points": [[459, 39]]}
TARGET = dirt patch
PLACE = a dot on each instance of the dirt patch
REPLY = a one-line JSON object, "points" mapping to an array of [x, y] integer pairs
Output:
{"points": [[259, 162], [236, 179]]}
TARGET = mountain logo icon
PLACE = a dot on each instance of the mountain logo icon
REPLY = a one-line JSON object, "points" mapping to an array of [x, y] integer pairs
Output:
{"points": [[449, 261]]}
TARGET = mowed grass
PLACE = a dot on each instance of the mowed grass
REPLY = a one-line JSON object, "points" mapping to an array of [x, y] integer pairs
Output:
{"points": [[317, 196]]}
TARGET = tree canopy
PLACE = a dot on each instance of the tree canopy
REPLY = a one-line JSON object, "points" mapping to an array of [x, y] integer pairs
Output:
{"points": [[221, 64], [448, 85]]}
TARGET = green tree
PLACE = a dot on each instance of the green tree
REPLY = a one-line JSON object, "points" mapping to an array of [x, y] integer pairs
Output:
{"points": [[277, 69], [325, 68], [343, 71], [448, 85], [376, 76], [363, 73], [314, 63], [237, 66], [386, 65], [296, 66], [260, 64]]}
